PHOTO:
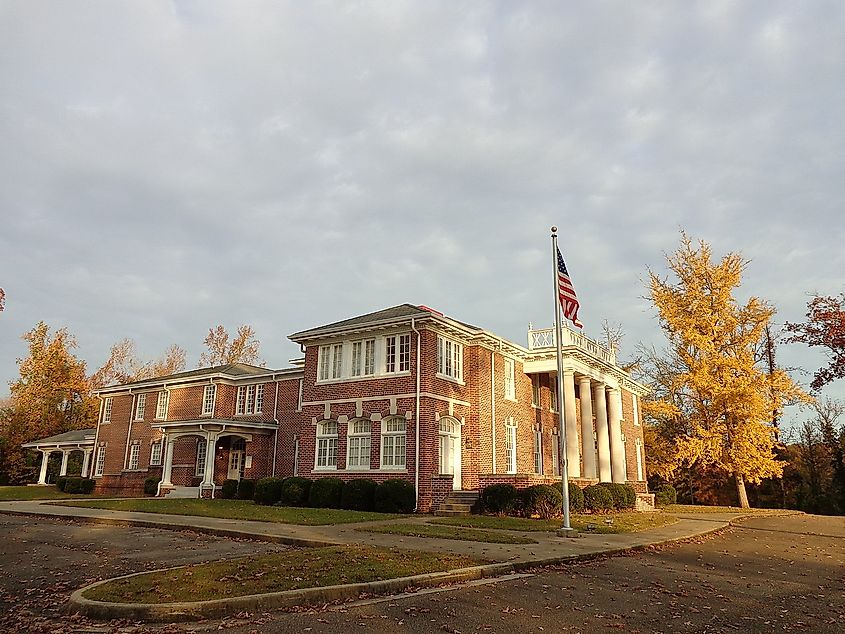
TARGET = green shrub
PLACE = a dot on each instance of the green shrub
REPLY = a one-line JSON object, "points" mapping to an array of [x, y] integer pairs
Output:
{"points": [[395, 496], [295, 491], [665, 494], [576, 496], [543, 500], [499, 498], [325, 493], [246, 489], [61, 481], [268, 491], [624, 496], [76, 484], [598, 499], [151, 485], [86, 485], [229, 490], [358, 495]]}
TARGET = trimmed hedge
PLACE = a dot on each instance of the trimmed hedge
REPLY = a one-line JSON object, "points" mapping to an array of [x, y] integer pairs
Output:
{"points": [[151, 485], [295, 491], [246, 489], [395, 496], [60, 483], [598, 499], [76, 484], [665, 494], [543, 500], [325, 493], [229, 489], [624, 496], [268, 491], [576, 496], [500, 499], [358, 495]]}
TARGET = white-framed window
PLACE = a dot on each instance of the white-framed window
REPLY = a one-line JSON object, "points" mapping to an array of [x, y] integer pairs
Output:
{"points": [[535, 390], [161, 405], [100, 463], [155, 454], [553, 393], [364, 357], [330, 363], [140, 406], [358, 444], [556, 454], [635, 406], [107, 410], [538, 451], [397, 353], [510, 447], [208, 399], [510, 387], [250, 399], [134, 456], [326, 454], [639, 446], [202, 445], [393, 443], [450, 359]]}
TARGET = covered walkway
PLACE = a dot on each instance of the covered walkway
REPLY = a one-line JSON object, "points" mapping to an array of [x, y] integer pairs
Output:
{"points": [[68, 442]]}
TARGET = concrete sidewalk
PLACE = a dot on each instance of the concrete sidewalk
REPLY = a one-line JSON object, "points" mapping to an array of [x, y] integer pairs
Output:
{"points": [[549, 548]]}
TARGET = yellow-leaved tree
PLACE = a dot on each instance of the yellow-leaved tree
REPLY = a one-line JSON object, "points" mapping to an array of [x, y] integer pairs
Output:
{"points": [[713, 406]]}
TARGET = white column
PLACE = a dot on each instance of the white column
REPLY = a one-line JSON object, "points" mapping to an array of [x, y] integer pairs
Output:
{"points": [[86, 462], [602, 440], [65, 456], [208, 474], [588, 451], [617, 448], [570, 420], [168, 462], [45, 458]]}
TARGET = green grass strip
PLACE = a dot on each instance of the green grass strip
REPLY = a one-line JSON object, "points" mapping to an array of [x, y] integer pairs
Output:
{"points": [[237, 510], [290, 570], [448, 532], [619, 522], [12, 493]]}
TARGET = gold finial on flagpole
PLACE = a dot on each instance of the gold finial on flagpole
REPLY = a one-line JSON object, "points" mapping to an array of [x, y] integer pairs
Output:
{"points": [[554, 231]]}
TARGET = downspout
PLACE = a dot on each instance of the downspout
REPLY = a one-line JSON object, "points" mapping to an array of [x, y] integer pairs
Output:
{"points": [[276, 434], [493, 404], [129, 432], [92, 466], [163, 462], [417, 426]]}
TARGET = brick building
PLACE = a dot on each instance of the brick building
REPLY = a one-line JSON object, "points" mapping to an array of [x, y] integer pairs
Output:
{"points": [[405, 392]]}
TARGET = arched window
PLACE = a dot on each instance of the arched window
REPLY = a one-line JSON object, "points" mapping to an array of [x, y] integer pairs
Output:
{"points": [[393, 442], [358, 444], [326, 450], [450, 446]]}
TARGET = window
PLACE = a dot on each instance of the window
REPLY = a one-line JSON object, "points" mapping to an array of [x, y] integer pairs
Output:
{"points": [[250, 399], [364, 357], [397, 353], [208, 399], [326, 457], [639, 445], [556, 454], [161, 406], [202, 445], [450, 359], [636, 408], [393, 443], [510, 390], [101, 461], [538, 451], [358, 444], [331, 362], [140, 405], [107, 410], [510, 447], [553, 393], [450, 445], [535, 390], [134, 455], [155, 454]]}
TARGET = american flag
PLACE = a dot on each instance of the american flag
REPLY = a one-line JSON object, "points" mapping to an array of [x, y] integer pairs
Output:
{"points": [[566, 293]]}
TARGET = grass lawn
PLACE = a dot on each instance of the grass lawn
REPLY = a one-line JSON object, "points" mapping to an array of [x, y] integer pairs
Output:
{"points": [[237, 510], [622, 522], [291, 570], [700, 508], [36, 493], [442, 531]]}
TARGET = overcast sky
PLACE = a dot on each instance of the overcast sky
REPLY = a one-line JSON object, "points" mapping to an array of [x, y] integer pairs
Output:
{"points": [[168, 166]]}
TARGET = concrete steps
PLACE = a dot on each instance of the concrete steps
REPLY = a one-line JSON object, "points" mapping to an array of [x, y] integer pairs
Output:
{"points": [[183, 492], [458, 504]]}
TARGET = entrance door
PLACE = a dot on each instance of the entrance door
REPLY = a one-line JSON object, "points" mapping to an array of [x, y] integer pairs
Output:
{"points": [[450, 450], [236, 459]]}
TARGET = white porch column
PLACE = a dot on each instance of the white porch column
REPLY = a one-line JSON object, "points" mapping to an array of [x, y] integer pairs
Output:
{"points": [[208, 474], [45, 458], [602, 440], [65, 456], [572, 458], [617, 448], [588, 451], [86, 462], [168, 462]]}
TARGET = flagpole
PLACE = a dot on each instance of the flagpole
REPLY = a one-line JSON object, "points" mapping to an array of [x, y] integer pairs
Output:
{"points": [[566, 529]]}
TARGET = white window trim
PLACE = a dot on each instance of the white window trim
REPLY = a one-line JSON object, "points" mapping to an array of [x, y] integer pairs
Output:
{"points": [[325, 355], [536, 390], [163, 397], [242, 401], [327, 437], [356, 435], [134, 457], [213, 388], [153, 461], [394, 434], [509, 377], [140, 407], [553, 394], [107, 407], [100, 461], [202, 456], [538, 452], [362, 359], [510, 439], [457, 363], [635, 406]]}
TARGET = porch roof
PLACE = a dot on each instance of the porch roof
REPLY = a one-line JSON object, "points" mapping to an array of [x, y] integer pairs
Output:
{"points": [[77, 438], [201, 425]]}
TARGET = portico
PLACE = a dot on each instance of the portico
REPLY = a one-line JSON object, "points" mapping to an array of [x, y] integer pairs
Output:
{"points": [[68, 442]]}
